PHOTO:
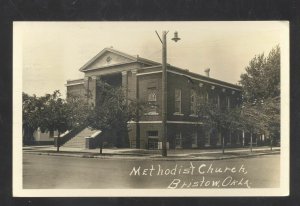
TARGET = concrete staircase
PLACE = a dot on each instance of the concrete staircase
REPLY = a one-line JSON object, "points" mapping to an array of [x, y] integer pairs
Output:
{"points": [[78, 141]]}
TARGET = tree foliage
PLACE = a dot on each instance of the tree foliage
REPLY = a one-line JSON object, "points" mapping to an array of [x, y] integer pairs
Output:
{"points": [[79, 110], [31, 115], [260, 111], [112, 113], [216, 117], [262, 77], [52, 113]]}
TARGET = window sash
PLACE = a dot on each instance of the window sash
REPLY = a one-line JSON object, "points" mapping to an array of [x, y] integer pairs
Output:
{"points": [[152, 95], [178, 100], [152, 100], [193, 102]]}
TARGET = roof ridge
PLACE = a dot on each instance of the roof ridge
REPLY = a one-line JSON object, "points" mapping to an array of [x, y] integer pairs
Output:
{"points": [[137, 57]]}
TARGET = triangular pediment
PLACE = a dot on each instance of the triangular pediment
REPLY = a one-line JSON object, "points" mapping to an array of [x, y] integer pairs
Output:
{"points": [[110, 57]]}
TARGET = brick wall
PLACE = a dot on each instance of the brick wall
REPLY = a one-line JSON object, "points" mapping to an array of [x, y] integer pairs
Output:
{"points": [[186, 84], [144, 83]]}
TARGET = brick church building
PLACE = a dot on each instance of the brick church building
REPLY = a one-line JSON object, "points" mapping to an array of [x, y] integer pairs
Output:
{"points": [[142, 79]]}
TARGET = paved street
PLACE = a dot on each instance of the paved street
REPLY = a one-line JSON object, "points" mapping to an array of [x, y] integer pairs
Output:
{"points": [[43, 171]]}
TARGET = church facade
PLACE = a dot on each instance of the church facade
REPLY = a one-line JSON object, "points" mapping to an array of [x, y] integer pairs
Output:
{"points": [[141, 79]]}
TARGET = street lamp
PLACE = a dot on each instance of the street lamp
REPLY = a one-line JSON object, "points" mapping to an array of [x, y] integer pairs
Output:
{"points": [[164, 87]]}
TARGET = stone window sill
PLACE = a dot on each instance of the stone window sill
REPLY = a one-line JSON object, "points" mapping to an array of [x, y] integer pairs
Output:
{"points": [[178, 114], [193, 115], [151, 114]]}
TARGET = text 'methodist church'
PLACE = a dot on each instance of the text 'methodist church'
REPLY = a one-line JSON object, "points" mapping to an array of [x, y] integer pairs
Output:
{"points": [[141, 79]]}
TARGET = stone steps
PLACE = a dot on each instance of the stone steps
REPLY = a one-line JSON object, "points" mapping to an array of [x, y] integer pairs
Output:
{"points": [[78, 141]]}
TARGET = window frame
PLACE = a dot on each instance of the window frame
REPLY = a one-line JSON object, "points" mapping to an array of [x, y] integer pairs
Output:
{"points": [[177, 101], [152, 103], [193, 103]]}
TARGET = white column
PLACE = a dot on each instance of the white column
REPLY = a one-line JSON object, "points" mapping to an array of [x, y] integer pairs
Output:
{"points": [[125, 83]]}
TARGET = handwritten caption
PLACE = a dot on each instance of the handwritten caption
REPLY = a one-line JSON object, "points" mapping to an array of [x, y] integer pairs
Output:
{"points": [[197, 175]]}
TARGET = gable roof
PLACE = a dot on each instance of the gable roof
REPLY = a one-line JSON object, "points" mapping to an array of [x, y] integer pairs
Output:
{"points": [[133, 58]]}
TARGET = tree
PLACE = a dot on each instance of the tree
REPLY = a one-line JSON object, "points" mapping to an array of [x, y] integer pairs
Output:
{"points": [[112, 113], [250, 120], [54, 115], [261, 94], [215, 117], [79, 110], [262, 77], [31, 112]]}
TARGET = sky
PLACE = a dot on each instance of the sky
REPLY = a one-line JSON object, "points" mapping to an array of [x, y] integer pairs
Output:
{"points": [[50, 53]]}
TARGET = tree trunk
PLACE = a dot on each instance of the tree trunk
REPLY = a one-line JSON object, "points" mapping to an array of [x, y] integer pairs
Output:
{"points": [[271, 142], [57, 142], [138, 143], [101, 144], [243, 139], [251, 142], [223, 144]]}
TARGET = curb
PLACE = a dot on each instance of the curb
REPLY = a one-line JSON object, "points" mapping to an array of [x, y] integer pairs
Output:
{"points": [[153, 158]]}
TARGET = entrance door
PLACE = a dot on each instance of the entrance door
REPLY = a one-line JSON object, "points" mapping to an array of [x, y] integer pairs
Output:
{"points": [[152, 140], [194, 140]]}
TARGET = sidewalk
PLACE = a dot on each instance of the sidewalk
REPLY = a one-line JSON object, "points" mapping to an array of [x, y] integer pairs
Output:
{"points": [[140, 154]]}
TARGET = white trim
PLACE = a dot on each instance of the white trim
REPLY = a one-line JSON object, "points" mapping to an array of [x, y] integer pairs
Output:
{"points": [[133, 71], [187, 76], [169, 122], [178, 114], [150, 67], [133, 58], [202, 80], [155, 72], [96, 133], [145, 122], [107, 66], [73, 84], [151, 114], [183, 122]]}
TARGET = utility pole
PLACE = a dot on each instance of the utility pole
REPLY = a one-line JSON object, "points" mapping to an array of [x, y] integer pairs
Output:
{"points": [[164, 94], [164, 88]]}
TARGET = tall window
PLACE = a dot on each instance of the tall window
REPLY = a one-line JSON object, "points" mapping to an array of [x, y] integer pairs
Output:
{"points": [[152, 100], [193, 102], [177, 100], [228, 102], [202, 98], [206, 97], [216, 100]]}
